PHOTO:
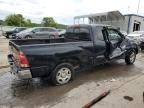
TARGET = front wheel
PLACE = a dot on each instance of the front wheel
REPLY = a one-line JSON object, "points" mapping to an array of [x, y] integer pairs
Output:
{"points": [[130, 58], [62, 74]]}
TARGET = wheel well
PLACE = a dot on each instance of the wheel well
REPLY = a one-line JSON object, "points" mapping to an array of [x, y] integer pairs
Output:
{"points": [[73, 60], [133, 49], [136, 50]]}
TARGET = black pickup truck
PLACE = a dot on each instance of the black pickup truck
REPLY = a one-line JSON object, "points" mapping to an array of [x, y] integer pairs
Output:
{"points": [[83, 46]]}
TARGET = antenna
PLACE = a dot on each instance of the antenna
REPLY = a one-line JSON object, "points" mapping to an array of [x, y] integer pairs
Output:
{"points": [[128, 9], [138, 6]]}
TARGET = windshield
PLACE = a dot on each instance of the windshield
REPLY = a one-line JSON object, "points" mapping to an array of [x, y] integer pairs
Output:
{"points": [[17, 29], [9, 28]]}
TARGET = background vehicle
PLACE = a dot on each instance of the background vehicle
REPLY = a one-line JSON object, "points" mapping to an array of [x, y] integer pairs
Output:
{"points": [[11, 33], [61, 32], [38, 32], [1, 32], [138, 37], [83, 46]]}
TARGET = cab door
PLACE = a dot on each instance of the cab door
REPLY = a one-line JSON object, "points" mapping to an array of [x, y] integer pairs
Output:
{"points": [[114, 43], [99, 45]]}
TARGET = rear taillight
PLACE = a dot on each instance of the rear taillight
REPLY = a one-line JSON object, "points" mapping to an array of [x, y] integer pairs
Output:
{"points": [[23, 60]]}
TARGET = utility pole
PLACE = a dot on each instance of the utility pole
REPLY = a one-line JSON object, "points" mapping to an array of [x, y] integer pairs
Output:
{"points": [[128, 9], [138, 6]]}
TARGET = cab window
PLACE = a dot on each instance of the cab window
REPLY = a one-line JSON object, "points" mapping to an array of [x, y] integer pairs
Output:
{"points": [[78, 33]]}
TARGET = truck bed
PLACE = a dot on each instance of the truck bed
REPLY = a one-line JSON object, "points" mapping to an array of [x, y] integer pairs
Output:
{"points": [[31, 42], [36, 41]]}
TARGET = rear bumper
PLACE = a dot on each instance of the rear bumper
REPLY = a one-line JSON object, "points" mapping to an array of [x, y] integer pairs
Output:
{"points": [[24, 74], [21, 74]]}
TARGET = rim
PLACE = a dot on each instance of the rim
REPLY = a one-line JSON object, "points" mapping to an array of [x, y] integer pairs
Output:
{"points": [[63, 75], [132, 57]]}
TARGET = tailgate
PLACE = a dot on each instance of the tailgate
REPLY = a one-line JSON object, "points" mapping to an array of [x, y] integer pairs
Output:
{"points": [[13, 54], [18, 62]]}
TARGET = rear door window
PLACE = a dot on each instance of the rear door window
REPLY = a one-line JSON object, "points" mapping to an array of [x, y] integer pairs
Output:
{"points": [[52, 30], [45, 29]]}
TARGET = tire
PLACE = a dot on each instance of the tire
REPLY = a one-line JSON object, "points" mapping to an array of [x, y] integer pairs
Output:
{"points": [[130, 58], [28, 37], [62, 74]]}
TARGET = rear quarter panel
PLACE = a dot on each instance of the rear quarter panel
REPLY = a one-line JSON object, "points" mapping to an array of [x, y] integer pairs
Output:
{"points": [[48, 56]]}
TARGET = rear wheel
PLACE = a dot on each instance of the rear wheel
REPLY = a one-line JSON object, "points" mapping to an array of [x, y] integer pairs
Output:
{"points": [[62, 74], [130, 58]]}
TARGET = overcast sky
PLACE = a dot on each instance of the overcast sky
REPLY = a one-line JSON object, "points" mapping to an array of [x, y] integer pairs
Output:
{"points": [[64, 10]]}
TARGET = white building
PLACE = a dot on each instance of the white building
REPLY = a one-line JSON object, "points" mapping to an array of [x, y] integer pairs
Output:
{"points": [[127, 23]]}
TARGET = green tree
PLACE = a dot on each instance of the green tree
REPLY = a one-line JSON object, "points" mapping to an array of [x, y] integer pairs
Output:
{"points": [[1, 22], [61, 26], [15, 20], [49, 22], [28, 23]]}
